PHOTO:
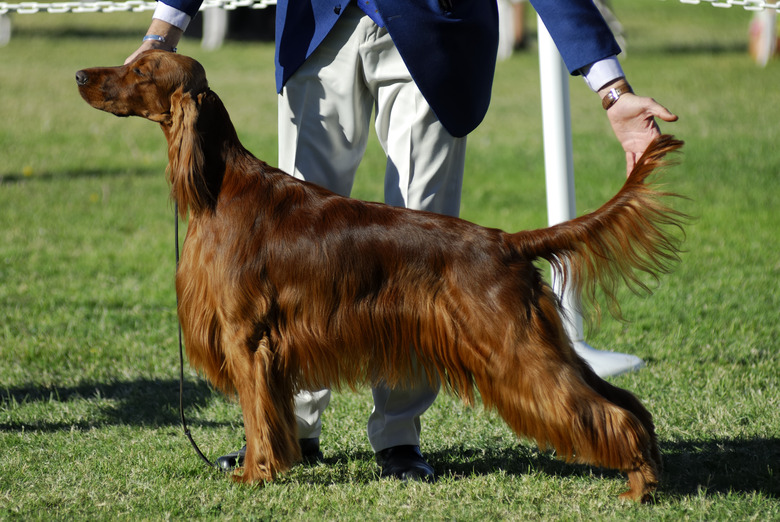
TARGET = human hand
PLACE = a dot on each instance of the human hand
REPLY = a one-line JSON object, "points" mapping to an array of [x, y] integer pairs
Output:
{"points": [[633, 121], [145, 46], [170, 33]]}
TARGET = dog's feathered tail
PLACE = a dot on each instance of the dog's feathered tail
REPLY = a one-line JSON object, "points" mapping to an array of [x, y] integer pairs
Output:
{"points": [[632, 234]]}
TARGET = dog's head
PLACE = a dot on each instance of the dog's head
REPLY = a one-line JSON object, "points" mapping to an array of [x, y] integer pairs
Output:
{"points": [[148, 87]]}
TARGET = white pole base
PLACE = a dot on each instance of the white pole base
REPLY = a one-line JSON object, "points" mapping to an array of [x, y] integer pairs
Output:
{"points": [[607, 364]]}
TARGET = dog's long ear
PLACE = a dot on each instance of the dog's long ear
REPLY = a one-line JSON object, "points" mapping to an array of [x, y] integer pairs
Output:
{"points": [[186, 161]]}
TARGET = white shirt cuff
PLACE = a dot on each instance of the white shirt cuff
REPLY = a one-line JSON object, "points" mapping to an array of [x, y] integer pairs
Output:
{"points": [[600, 73], [172, 15]]}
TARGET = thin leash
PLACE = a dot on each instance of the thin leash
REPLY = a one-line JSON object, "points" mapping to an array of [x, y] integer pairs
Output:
{"points": [[181, 354]]}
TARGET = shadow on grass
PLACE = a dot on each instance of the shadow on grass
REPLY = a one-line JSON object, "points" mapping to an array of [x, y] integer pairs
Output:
{"points": [[706, 48], [17, 177], [80, 32], [721, 466], [143, 402], [717, 467], [691, 468], [518, 460]]}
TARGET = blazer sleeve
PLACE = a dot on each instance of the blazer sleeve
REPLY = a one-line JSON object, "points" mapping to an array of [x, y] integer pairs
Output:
{"points": [[578, 30]]}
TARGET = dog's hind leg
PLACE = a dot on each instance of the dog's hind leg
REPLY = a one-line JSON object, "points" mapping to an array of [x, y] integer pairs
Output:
{"points": [[266, 395], [538, 387], [628, 401]]}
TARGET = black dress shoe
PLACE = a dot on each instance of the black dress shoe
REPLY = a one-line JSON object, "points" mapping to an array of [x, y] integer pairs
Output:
{"points": [[405, 463], [310, 450], [232, 460]]}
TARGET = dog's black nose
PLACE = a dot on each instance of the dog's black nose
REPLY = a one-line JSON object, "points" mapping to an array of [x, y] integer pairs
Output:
{"points": [[81, 77]]}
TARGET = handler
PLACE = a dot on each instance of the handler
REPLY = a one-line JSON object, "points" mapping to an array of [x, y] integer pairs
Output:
{"points": [[426, 68]]}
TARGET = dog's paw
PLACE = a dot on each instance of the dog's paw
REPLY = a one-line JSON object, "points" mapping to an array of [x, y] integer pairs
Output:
{"points": [[243, 476]]}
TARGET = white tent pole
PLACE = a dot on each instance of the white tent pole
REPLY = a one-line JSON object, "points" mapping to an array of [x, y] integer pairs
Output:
{"points": [[558, 161], [559, 177]]}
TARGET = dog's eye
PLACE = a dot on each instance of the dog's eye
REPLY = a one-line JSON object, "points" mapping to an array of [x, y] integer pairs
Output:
{"points": [[138, 71]]}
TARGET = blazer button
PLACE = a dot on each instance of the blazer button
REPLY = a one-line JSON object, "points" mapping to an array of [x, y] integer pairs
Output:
{"points": [[337, 9]]}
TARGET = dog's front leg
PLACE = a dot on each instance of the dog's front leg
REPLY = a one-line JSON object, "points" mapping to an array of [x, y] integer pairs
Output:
{"points": [[266, 396]]}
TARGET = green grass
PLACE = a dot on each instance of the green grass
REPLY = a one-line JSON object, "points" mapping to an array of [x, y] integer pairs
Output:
{"points": [[88, 364]]}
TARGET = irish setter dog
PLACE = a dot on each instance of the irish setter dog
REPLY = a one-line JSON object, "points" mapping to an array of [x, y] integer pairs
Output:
{"points": [[285, 286]]}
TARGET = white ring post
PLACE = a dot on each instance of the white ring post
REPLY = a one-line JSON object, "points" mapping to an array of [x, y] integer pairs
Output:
{"points": [[763, 36], [215, 28], [5, 30], [558, 160], [561, 202]]}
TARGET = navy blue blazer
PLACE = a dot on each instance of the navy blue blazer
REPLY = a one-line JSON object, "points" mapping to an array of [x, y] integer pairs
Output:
{"points": [[449, 46]]}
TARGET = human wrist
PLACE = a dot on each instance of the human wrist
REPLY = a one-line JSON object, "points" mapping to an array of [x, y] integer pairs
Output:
{"points": [[162, 35]]}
